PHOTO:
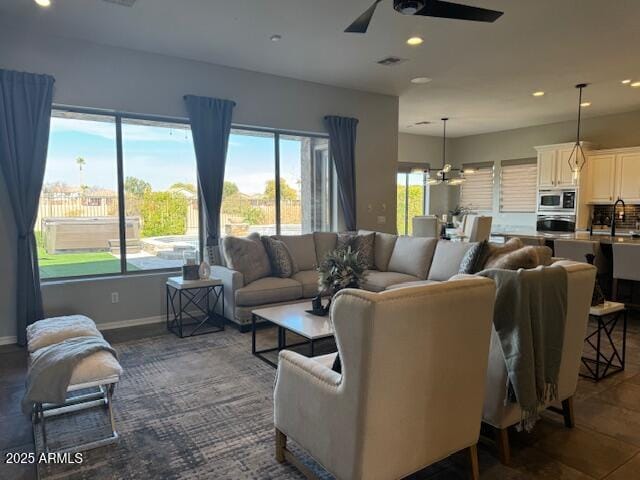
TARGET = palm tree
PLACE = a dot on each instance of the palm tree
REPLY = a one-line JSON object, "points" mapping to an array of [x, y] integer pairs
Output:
{"points": [[81, 162]]}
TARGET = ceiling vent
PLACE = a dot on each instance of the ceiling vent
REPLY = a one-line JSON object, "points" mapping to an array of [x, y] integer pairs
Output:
{"points": [[391, 61], [122, 3]]}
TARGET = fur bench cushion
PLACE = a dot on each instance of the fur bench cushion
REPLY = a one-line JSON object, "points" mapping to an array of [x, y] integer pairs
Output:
{"points": [[57, 329]]}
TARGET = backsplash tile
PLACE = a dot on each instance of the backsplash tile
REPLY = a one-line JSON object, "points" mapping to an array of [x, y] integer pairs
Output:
{"points": [[602, 216]]}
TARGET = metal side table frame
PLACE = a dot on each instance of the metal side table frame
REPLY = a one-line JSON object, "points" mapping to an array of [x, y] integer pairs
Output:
{"points": [[607, 316], [191, 301]]}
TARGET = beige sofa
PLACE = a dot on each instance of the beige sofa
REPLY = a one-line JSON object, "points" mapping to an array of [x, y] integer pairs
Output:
{"points": [[399, 261], [403, 401]]}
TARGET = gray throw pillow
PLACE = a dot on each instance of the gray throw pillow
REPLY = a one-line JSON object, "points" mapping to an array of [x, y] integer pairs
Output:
{"points": [[247, 256], [279, 256], [472, 260], [363, 244]]}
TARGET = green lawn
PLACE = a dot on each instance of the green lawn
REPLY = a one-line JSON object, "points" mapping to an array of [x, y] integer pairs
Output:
{"points": [[76, 264]]}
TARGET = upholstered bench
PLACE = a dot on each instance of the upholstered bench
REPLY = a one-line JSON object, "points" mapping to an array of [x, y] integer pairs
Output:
{"points": [[96, 376]]}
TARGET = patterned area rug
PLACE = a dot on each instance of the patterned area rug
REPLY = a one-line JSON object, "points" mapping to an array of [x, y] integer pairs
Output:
{"points": [[197, 408]]}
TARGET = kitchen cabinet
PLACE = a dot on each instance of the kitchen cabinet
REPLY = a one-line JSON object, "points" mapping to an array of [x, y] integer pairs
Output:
{"points": [[629, 177], [601, 177], [554, 170], [614, 174]]}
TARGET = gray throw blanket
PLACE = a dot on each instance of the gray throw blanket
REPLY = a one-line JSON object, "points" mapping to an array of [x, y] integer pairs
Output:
{"points": [[51, 369], [529, 318]]}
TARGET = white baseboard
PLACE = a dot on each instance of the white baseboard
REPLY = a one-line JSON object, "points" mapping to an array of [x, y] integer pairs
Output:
{"points": [[134, 322], [8, 340]]}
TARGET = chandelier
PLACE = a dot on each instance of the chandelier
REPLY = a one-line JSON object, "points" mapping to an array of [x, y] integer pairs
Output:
{"points": [[446, 175]]}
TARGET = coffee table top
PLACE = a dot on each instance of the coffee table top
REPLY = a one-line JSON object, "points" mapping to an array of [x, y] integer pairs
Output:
{"points": [[294, 318]]}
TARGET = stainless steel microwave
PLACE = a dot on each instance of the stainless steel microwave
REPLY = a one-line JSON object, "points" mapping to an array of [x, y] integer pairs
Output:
{"points": [[557, 201]]}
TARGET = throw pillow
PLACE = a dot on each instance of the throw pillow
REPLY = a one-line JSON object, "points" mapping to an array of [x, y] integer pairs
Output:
{"points": [[279, 257], [495, 251], [247, 256], [471, 262], [337, 364], [525, 257], [363, 244]]}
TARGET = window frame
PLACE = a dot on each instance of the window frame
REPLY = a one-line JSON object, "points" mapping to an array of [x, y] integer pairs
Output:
{"points": [[118, 116]]}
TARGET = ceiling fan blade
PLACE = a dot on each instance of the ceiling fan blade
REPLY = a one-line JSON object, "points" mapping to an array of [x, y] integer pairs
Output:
{"points": [[442, 9], [362, 22]]}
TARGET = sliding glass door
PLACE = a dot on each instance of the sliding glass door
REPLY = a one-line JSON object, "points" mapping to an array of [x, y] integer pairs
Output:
{"points": [[411, 200]]}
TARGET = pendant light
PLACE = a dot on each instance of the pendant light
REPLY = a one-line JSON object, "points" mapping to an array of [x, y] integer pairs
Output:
{"points": [[577, 158]]}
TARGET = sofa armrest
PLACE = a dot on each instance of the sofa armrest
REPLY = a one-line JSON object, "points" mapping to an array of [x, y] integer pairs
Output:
{"points": [[232, 281]]}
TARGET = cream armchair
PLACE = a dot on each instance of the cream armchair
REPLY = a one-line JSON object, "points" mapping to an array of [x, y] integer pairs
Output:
{"points": [[412, 383], [581, 278]]}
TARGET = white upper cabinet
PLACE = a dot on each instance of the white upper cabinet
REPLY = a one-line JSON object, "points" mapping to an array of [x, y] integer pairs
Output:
{"points": [[547, 169], [614, 174], [554, 170], [629, 176], [601, 177]]}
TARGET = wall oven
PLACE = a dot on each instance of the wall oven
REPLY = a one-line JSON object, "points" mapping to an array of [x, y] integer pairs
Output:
{"points": [[556, 223], [557, 201]]}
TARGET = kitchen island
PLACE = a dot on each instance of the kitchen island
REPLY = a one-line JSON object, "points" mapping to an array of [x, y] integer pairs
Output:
{"points": [[602, 236]]}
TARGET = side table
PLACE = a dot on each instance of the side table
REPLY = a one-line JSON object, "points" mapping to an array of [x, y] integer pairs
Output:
{"points": [[604, 364], [191, 306]]}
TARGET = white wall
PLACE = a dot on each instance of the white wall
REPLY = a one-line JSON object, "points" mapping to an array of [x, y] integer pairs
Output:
{"points": [[91, 75]]}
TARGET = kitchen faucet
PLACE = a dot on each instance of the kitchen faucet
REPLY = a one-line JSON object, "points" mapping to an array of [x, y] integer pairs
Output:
{"points": [[613, 218]]}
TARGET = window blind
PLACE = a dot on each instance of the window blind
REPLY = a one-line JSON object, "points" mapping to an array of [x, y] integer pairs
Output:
{"points": [[518, 187], [476, 193]]}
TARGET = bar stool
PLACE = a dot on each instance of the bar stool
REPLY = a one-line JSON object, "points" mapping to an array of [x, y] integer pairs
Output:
{"points": [[626, 266], [426, 226], [577, 250]]}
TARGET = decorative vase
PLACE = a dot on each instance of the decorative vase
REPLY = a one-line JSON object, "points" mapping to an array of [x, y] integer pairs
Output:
{"points": [[204, 271]]}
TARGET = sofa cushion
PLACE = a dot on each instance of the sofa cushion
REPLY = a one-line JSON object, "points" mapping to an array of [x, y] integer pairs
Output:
{"points": [[383, 248], [268, 290], [302, 249], [362, 243], [376, 281], [309, 281], [417, 283], [325, 242], [247, 256], [412, 256], [279, 257], [447, 259]]}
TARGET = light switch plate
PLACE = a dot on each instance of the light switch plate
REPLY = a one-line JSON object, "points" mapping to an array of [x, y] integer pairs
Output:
{"points": [[382, 219]]}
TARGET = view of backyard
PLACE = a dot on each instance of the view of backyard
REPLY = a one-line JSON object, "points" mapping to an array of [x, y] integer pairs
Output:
{"points": [[78, 225], [410, 200]]}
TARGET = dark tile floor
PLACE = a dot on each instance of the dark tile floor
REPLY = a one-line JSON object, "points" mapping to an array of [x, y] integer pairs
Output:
{"points": [[605, 444]]}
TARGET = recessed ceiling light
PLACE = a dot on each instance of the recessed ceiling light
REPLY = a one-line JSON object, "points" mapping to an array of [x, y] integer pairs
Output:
{"points": [[420, 80], [275, 38], [635, 84], [43, 3], [585, 104], [414, 41], [626, 82], [539, 93]]}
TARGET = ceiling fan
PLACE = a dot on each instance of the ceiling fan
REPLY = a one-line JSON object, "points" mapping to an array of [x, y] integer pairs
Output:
{"points": [[427, 8]]}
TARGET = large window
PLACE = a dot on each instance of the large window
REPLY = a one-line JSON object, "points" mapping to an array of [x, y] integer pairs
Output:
{"points": [[120, 191], [518, 186], [411, 202], [476, 193], [80, 230], [257, 199]]}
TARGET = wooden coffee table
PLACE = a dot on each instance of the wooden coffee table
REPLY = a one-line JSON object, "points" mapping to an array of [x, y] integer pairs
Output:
{"points": [[291, 318]]}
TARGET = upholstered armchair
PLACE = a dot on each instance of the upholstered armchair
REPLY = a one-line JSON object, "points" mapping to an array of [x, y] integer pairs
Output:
{"points": [[413, 367], [501, 416]]}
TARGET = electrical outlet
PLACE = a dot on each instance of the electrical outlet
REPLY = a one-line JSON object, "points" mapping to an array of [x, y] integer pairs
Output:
{"points": [[115, 297], [382, 219]]}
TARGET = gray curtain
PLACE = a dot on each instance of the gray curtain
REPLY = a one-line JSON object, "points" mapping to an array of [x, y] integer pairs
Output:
{"points": [[25, 114], [342, 137], [210, 120]]}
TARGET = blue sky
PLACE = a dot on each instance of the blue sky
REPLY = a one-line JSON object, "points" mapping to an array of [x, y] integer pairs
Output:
{"points": [[158, 155]]}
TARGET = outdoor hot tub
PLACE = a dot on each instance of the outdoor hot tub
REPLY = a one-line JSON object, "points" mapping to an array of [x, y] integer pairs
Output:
{"points": [[86, 234]]}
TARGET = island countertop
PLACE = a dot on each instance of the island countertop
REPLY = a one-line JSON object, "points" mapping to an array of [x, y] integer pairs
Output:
{"points": [[602, 236]]}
